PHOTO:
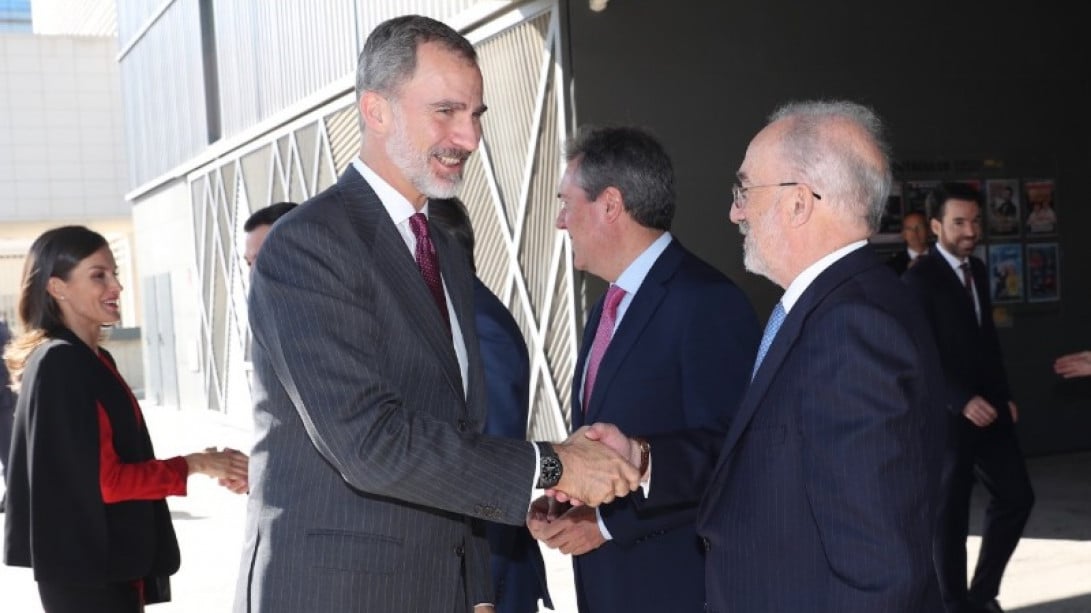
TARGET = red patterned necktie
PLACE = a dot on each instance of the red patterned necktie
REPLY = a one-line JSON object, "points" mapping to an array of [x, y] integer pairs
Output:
{"points": [[429, 265], [603, 334]]}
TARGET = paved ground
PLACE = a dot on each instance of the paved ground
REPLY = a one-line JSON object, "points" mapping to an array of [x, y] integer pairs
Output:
{"points": [[1050, 573]]}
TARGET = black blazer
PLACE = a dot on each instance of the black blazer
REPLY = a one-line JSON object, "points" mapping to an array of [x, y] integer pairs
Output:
{"points": [[969, 352], [72, 535]]}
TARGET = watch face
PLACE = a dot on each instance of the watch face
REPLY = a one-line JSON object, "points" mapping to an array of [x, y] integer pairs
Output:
{"points": [[551, 471]]}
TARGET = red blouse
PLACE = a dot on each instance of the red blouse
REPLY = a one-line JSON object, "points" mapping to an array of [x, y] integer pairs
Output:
{"points": [[148, 480]]}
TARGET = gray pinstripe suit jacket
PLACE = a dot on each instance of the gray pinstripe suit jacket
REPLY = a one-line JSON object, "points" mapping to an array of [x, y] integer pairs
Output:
{"points": [[368, 464]]}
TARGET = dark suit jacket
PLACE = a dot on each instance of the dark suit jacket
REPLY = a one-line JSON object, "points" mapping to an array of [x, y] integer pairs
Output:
{"points": [[680, 358], [7, 401], [518, 571], [970, 353], [56, 520], [900, 261], [824, 493], [369, 464]]}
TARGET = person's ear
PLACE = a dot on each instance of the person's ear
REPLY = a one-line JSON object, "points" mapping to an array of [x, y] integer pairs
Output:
{"points": [[56, 287], [936, 226], [801, 205], [376, 112], [613, 203]]}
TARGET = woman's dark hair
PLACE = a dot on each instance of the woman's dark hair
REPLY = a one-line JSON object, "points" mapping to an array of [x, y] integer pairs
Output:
{"points": [[53, 254]]}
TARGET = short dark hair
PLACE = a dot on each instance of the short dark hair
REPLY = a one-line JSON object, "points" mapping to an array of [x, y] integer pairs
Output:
{"points": [[389, 56], [266, 216], [451, 215], [634, 162], [952, 191]]}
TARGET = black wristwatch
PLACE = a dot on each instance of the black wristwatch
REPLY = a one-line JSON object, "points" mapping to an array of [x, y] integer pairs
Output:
{"points": [[550, 468]]}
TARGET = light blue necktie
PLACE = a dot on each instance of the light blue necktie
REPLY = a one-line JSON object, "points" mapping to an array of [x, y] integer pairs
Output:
{"points": [[775, 320]]}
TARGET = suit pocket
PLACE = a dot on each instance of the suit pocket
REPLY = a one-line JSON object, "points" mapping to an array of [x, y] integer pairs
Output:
{"points": [[352, 551]]}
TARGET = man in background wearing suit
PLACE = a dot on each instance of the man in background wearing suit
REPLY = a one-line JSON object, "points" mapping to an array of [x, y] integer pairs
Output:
{"points": [[824, 493], [518, 571], [953, 287], [915, 234], [669, 347], [257, 227], [369, 473]]}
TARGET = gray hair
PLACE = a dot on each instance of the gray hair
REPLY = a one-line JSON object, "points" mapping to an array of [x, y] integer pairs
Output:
{"points": [[850, 168], [634, 162], [389, 56]]}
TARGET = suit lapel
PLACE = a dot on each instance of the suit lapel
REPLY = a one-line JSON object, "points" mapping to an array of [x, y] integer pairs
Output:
{"points": [[396, 265], [840, 271], [641, 309]]}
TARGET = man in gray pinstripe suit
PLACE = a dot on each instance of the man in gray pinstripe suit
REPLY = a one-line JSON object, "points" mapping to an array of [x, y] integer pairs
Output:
{"points": [[369, 472]]}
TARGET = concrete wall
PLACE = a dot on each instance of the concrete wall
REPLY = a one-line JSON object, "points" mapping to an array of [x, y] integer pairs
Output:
{"points": [[956, 84]]}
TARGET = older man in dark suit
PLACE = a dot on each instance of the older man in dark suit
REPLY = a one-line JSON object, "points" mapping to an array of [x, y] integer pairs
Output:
{"points": [[369, 470], [823, 497], [953, 287]]}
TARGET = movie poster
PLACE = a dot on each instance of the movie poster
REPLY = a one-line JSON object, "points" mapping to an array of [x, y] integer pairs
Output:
{"points": [[1043, 272], [1002, 209], [1006, 272]]}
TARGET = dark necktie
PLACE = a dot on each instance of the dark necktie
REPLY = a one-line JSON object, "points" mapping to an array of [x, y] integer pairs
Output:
{"points": [[429, 265], [967, 279], [603, 334]]}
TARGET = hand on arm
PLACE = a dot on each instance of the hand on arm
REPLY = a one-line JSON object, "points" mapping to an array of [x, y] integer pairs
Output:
{"points": [[1073, 365], [979, 411]]}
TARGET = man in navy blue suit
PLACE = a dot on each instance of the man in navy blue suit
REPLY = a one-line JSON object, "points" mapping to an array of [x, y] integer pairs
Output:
{"points": [[954, 289], [518, 571], [669, 347], [823, 497]]}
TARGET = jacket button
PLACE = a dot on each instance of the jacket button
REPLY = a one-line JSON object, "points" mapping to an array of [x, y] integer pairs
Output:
{"points": [[706, 544], [459, 551], [462, 426]]}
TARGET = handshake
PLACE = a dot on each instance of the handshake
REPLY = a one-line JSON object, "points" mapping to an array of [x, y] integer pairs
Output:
{"points": [[599, 464]]}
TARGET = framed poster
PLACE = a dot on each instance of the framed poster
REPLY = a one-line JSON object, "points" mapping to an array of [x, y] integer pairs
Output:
{"points": [[890, 226], [1041, 217], [1006, 272], [1002, 209], [1043, 272], [917, 196]]}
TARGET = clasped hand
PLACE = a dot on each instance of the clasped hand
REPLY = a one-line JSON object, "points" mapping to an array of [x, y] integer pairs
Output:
{"points": [[598, 466]]}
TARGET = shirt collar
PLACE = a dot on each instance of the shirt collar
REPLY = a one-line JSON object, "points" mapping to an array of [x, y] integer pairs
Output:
{"points": [[804, 279], [633, 276], [953, 261], [396, 205]]}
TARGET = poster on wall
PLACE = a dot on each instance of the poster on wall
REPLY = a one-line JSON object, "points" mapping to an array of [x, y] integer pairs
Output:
{"points": [[1006, 272], [1041, 211], [917, 197], [1043, 272], [1002, 208], [890, 226]]}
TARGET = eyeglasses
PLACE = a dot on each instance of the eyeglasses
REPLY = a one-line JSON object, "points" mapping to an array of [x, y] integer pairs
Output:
{"points": [[738, 192]]}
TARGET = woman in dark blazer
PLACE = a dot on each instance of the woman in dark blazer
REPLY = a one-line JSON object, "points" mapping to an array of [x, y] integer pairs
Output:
{"points": [[85, 503]]}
